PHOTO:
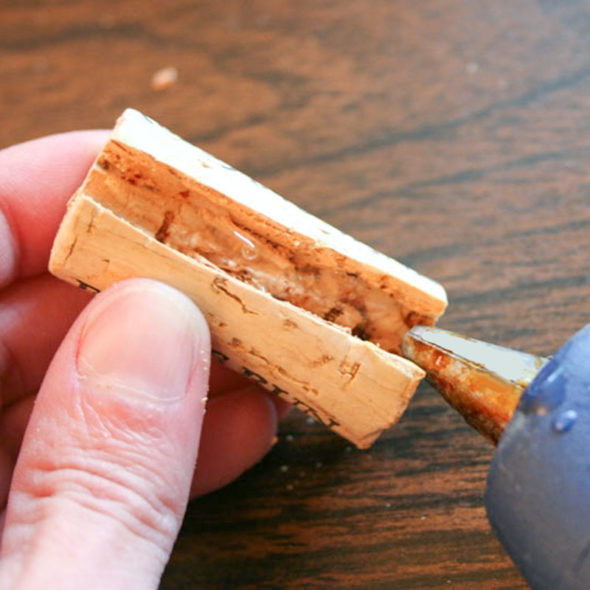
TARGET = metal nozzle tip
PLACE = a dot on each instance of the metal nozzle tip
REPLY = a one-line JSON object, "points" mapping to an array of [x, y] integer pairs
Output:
{"points": [[482, 381]]}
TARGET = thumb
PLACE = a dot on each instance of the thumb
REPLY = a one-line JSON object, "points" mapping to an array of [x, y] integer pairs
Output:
{"points": [[103, 477]]}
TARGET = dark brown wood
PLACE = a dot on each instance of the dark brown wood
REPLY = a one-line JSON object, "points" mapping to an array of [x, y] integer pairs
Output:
{"points": [[450, 134]]}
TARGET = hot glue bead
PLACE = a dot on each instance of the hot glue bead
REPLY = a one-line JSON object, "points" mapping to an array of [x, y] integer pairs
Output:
{"points": [[564, 421], [546, 392]]}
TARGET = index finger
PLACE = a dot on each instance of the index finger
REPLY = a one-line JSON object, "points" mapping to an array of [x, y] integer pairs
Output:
{"points": [[36, 180]]}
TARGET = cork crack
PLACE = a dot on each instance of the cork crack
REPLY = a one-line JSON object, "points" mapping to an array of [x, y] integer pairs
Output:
{"points": [[253, 352], [163, 231], [219, 284], [71, 249]]}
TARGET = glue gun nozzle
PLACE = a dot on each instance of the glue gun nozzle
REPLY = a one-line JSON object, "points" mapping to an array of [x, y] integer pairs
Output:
{"points": [[482, 381]]}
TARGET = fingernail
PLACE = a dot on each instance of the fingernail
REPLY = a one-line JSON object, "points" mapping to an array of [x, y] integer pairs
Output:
{"points": [[142, 341]]}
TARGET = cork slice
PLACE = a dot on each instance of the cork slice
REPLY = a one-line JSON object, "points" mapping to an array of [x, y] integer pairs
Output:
{"points": [[310, 313]]}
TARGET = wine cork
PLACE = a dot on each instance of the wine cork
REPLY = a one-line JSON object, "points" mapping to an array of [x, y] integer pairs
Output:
{"points": [[306, 311]]}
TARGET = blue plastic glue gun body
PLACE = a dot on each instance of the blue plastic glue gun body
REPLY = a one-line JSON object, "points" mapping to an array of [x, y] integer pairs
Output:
{"points": [[538, 488]]}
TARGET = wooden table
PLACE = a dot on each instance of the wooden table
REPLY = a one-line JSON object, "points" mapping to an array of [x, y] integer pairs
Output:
{"points": [[453, 135]]}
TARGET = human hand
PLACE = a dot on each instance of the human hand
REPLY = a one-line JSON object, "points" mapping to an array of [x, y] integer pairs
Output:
{"points": [[97, 467]]}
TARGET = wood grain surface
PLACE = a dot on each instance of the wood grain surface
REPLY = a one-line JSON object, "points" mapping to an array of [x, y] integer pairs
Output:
{"points": [[453, 135]]}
